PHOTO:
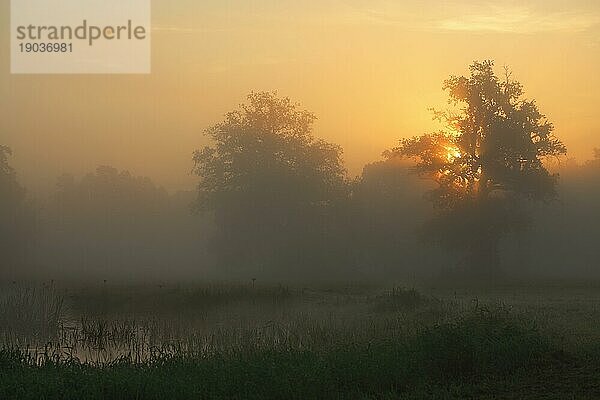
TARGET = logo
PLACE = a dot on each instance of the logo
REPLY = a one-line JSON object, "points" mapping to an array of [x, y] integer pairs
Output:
{"points": [[80, 37]]}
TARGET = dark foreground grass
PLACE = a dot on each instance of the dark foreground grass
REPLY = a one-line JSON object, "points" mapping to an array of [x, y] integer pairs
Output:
{"points": [[475, 356]]}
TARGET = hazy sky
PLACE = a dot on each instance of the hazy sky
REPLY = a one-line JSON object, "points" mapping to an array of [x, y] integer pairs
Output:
{"points": [[369, 69]]}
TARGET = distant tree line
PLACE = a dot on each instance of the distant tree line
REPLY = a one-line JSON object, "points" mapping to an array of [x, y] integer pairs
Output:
{"points": [[273, 200], [16, 216]]}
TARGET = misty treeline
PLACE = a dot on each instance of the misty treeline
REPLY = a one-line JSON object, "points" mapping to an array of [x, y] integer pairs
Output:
{"points": [[491, 193]]}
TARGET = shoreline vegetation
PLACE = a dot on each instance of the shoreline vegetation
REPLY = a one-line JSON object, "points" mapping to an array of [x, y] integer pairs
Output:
{"points": [[234, 341]]}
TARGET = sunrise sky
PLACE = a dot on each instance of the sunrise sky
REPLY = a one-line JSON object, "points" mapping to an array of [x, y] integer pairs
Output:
{"points": [[369, 69]]}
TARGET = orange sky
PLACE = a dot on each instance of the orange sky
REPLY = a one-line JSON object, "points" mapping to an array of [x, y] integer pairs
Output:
{"points": [[368, 69]]}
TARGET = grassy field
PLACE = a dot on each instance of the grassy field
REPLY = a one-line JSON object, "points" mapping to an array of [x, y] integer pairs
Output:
{"points": [[252, 341]]}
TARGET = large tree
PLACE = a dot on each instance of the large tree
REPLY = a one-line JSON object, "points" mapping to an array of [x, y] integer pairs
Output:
{"points": [[488, 156], [268, 182]]}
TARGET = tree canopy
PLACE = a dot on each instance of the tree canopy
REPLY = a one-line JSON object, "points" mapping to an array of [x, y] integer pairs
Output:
{"points": [[108, 196], [495, 142], [266, 149]]}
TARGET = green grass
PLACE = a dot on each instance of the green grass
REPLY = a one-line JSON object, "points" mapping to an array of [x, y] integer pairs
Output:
{"points": [[399, 299], [477, 345], [307, 344]]}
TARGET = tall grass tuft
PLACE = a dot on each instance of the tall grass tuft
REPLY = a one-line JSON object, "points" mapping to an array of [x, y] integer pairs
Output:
{"points": [[34, 313]]}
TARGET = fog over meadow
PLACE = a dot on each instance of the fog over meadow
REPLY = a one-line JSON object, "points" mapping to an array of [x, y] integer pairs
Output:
{"points": [[113, 224]]}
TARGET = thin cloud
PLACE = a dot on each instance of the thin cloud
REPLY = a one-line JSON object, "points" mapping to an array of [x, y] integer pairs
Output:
{"points": [[468, 17], [519, 20]]}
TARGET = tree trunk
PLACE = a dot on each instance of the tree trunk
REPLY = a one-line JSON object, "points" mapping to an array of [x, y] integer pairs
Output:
{"points": [[483, 259]]}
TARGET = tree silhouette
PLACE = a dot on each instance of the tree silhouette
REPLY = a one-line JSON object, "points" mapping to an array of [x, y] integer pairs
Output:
{"points": [[12, 192], [13, 211], [108, 197], [268, 182], [488, 156], [108, 221]]}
